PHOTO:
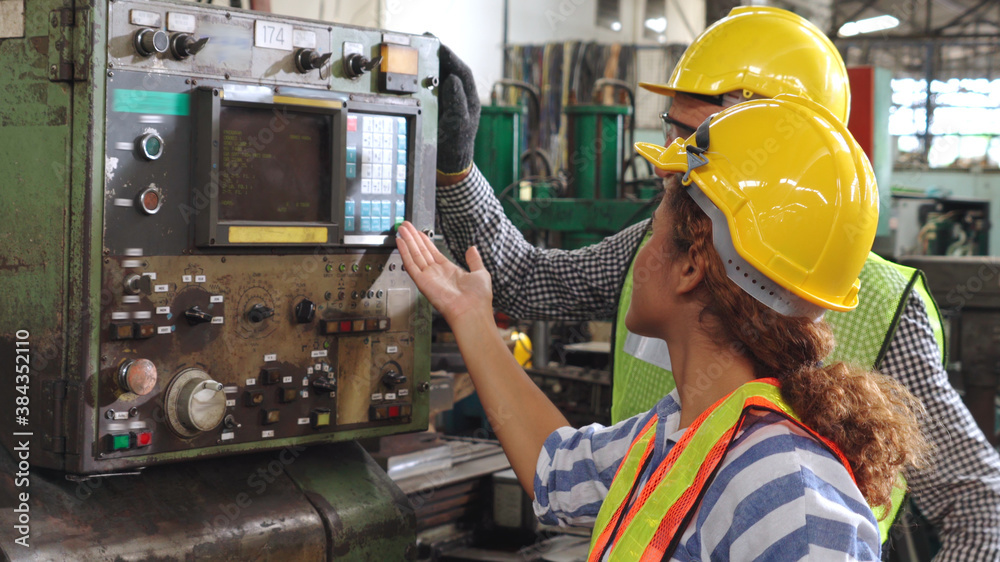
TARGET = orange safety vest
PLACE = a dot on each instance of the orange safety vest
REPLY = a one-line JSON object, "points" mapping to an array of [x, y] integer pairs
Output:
{"points": [[674, 490]]}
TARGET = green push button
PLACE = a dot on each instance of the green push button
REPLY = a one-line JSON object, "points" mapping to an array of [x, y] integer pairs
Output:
{"points": [[119, 442]]}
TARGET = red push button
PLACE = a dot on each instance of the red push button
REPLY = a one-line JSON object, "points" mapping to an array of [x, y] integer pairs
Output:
{"points": [[393, 411], [352, 123], [143, 438], [345, 326]]}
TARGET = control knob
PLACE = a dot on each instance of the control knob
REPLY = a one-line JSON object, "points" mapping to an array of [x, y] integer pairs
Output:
{"points": [[305, 311], [183, 45], [325, 383], [149, 41], [309, 59], [392, 378], [258, 313], [195, 315], [195, 403]]}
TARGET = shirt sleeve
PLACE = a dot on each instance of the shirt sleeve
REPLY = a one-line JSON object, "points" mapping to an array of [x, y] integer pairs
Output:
{"points": [[528, 282], [959, 489], [575, 469]]}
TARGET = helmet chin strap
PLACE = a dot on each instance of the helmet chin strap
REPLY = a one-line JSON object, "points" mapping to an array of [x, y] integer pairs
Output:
{"points": [[696, 154]]}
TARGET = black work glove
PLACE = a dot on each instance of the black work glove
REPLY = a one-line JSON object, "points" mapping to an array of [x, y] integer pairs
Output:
{"points": [[458, 115]]}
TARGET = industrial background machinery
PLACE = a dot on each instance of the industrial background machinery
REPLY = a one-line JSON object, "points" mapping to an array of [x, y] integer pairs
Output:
{"points": [[198, 261]]}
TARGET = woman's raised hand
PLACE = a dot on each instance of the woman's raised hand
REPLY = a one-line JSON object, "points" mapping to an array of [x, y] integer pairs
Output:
{"points": [[452, 290]]}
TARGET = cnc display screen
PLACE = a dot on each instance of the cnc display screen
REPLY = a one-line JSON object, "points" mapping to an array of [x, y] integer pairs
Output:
{"points": [[274, 165]]}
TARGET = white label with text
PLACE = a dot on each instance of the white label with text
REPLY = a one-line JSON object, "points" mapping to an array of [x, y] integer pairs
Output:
{"points": [[271, 35]]}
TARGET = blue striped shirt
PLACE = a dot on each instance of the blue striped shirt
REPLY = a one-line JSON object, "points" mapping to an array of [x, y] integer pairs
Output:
{"points": [[778, 494]]}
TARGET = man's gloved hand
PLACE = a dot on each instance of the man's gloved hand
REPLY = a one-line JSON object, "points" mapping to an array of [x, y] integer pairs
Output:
{"points": [[458, 118]]}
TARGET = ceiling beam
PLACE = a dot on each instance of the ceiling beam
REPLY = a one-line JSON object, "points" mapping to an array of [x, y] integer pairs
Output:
{"points": [[963, 15]]}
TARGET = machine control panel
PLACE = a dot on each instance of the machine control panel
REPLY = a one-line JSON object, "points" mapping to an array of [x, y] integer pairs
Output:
{"points": [[252, 296]]}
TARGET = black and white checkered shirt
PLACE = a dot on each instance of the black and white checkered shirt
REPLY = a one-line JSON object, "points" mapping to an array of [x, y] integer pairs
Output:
{"points": [[959, 491]]}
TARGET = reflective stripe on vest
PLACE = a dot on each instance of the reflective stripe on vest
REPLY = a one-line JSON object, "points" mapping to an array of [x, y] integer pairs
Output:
{"points": [[862, 337], [653, 523]]}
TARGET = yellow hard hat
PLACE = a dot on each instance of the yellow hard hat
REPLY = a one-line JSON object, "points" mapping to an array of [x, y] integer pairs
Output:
{"points": [[792, 198], [763, 51]]}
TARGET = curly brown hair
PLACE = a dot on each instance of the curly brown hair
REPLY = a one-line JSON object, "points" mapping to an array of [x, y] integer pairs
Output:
{"points": [[870, 417]]}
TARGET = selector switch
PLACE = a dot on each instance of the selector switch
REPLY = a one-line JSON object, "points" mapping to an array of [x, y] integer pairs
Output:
{"points": [[195, 315], [183, 45], [325, 384], [150, 41], [305, 311], [393, 378], [136, 284], [258, 313], [309, 59]]}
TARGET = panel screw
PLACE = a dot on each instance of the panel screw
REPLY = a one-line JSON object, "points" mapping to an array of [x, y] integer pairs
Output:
{"points": [[133, 412], [111, 73], [425, 386], [110, 414]]}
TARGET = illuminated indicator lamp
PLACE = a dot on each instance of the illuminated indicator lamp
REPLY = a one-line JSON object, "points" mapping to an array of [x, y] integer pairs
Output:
{"points": [[253, 398], [359, 325], [286, 395], [143, 438], [150, 146], [268, 417], [345, 326], [320, 417], [371, 324], [122, 330], [393, 411], [119, 442], [149, 200]]}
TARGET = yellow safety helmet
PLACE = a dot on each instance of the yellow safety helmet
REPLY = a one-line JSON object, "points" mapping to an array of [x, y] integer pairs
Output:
{"points": [[792, 198], [763, 51]]}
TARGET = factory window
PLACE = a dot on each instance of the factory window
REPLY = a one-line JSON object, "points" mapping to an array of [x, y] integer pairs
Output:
{"points": [[964, 124], [609, 14]]}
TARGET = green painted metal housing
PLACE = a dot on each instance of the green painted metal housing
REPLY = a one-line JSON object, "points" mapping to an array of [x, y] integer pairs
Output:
{"points": [[594, 152], [499, 144]]}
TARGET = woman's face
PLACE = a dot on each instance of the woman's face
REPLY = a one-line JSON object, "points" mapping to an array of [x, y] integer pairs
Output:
{"points": [[652, 278]]}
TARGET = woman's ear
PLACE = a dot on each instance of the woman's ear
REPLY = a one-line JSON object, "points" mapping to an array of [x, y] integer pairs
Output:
{"points": [[690, 271]]}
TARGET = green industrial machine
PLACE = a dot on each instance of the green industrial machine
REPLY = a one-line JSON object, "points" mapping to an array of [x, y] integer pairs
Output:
{"points": [[198, 262], [587, 200], [498, 145]]}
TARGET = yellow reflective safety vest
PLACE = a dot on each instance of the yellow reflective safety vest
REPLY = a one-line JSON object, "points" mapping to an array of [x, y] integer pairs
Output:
{"points": [[862, 338], [648, 526]]}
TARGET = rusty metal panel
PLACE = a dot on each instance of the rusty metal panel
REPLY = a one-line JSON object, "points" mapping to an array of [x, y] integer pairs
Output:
{"points": [[206, 510], [366, 516]]}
